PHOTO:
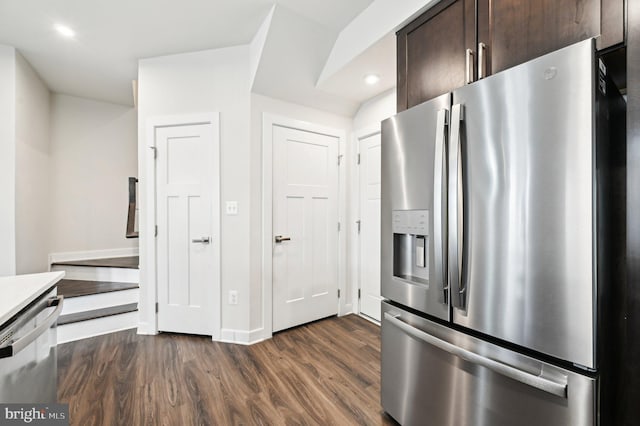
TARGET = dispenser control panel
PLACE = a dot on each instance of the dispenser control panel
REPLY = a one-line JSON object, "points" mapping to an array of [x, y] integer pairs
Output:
{"points": [[414, 222]]}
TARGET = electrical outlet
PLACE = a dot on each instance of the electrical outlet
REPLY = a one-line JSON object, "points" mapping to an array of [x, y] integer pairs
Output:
{"points": [[233, 297], [232, 208]]}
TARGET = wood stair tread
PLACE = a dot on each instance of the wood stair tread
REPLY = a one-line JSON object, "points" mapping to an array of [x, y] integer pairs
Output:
{"points": [[76, 288], [97, 313], [128, 262]]}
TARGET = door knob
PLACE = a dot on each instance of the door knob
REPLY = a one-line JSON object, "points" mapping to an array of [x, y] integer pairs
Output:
{"points": [[203, 240], [280, 238]]}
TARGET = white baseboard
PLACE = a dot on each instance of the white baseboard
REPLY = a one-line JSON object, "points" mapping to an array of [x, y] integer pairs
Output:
{"points": [[363, 316], [91, 302], [241, 337], [96, 327], [347, 309], [122, 275], [92, 254], [145, 330]]}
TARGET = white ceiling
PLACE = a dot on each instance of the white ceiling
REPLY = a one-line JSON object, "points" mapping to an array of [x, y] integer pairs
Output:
{"points": [[293, 56], [378, 59], [102, 59]]}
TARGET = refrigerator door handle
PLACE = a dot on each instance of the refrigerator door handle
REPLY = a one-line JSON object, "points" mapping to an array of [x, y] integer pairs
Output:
{"points": [[25, 341], [440, 193], [538, 382], [455, 203]]}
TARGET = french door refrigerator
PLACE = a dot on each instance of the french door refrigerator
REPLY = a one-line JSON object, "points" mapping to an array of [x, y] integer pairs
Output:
{"points": [[499, 245]]}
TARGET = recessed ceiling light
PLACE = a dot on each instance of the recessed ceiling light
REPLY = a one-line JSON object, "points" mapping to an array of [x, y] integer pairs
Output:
{"points": [[65, 31], [371, 79]]}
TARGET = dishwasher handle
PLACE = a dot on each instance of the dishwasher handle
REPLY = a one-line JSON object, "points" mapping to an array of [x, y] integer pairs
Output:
{"points": [[542, 383], [30, 337]]}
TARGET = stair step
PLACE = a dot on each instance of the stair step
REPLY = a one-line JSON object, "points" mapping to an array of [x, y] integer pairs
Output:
{"points": [[91, 302], [83, 273], [97, 313], [96, 327], [128, 262], [76, 288]]}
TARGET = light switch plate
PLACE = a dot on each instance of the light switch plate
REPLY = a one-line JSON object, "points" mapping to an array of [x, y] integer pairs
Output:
{"points": [[232, 208]]}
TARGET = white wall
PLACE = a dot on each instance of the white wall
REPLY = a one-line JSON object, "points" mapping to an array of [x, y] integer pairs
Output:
{"points": [[219, 81], [211, 80], [94, 151], [7, 161], [33, 159], [260, 105], [376, 109]]}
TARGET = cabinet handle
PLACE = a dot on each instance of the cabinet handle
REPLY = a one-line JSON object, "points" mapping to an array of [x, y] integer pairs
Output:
{"points": [[469, 65], [482, 61], [34, 333]]}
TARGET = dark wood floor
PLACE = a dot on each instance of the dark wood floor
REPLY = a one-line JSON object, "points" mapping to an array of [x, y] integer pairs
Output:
{"points": [[327, 372], [97, 313], [128, 262], [77, 288]]}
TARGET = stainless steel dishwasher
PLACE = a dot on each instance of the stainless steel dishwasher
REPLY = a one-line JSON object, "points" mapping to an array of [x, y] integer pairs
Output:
{"points": [[28, 358]]}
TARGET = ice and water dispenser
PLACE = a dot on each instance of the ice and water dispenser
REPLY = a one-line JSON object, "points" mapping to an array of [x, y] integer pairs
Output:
{"points": [[411, 245]]}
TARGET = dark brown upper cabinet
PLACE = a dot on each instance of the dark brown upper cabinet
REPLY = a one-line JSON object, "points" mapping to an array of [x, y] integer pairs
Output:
{"points": [[515, 31], [459, 41], [432, 57]]}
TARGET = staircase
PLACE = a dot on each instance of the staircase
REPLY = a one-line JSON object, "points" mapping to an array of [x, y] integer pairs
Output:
{"points": [[100, 296]]}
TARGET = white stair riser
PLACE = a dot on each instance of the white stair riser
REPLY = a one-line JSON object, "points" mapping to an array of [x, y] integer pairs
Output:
{"points": [[91, 273], [96, 327], [92, 254], [99, 301]]}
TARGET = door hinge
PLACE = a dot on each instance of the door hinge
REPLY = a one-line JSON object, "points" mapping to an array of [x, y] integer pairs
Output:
{"points": [[156, 307], [155, 232], [339, 159], [358, 293], [339, 226], [338, 293], [155, 152], [358, 222], [358, 159]]}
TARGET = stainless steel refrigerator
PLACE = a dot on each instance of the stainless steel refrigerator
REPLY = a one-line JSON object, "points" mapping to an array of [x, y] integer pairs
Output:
{"points": [[499, 247]]}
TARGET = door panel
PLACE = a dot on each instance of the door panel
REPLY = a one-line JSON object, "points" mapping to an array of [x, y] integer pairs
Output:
{"points": [[431, 52], [322, 253], [516, 31], [370, 177], [305, 210], [527, 172], [185, 203], [408, 187]]}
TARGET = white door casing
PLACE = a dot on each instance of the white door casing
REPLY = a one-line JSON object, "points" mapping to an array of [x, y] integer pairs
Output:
{"points": [[186, 207], [305, 209], [369, 232]]}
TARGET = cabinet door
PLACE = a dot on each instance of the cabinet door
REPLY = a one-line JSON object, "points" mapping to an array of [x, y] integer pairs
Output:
{"points": [[432, 52], [612, 23], [515, 31]]}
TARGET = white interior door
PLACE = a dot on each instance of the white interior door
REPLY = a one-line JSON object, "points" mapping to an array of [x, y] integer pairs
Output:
{"points": [[187, 213], [305, 215], [370, 226]]}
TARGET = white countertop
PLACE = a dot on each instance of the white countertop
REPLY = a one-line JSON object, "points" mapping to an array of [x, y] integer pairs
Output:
{"points": [[18, 291]]}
